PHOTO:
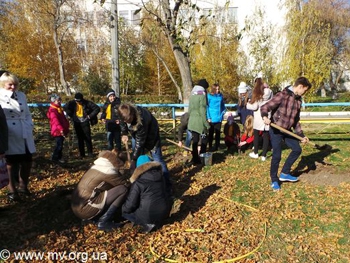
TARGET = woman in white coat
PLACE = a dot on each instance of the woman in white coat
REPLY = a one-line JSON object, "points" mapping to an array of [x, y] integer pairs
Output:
{"points": [[261, 94], [20, 135]]}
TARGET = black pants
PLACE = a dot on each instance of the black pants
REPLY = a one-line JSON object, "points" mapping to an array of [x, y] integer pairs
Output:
{"points": [[83, 132], [214, 128], [196, 139], [265, 138]]}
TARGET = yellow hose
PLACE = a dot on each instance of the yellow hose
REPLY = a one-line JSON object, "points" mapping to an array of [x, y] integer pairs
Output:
{"points": [[202, 230]]}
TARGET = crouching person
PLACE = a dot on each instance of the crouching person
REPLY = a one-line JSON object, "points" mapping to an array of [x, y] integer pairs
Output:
{"points": [[101, 191], [148, 203]]}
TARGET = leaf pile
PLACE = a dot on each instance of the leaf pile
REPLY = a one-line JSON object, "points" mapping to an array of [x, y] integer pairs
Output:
{"points": [[221, 212]]}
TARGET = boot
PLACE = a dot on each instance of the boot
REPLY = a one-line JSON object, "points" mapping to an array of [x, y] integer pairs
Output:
{"points": [[146, 228], [105, 221]]}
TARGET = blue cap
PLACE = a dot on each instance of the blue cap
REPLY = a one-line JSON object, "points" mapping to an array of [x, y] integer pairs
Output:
{"points": [[142, 160]]}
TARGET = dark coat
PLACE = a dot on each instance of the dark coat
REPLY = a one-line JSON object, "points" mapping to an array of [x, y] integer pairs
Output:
{"points": [[111, 124], [144, 130], [90, 111], [3, 132], [183, 125], [148, 200]]}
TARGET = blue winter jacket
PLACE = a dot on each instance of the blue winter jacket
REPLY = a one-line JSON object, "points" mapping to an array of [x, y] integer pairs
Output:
{"points": [[216, 107]]}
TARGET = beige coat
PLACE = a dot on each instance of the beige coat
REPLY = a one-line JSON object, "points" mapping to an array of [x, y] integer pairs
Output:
{"points": [[89, 197]]}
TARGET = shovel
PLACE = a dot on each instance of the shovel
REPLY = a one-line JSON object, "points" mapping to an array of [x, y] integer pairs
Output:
{"points": [[184, 147], [318, 147], [128, 162]]}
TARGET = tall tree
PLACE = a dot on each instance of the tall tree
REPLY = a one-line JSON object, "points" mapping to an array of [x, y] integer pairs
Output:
{"points": [[261, 38], [59, 16], [316, 38], [163, 73]]}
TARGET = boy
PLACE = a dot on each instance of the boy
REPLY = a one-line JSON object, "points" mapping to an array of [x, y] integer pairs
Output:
{"points": [[285, 112]]}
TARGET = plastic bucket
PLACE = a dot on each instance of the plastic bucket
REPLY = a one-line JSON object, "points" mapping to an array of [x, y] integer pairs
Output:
{"points": [[206, 158]]}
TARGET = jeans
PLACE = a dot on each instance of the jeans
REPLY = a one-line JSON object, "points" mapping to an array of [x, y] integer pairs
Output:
{"points": [[277, 138], [188, 138], [57, 152]]}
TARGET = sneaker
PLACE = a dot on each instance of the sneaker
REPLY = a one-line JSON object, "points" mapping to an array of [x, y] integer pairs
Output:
{"points": [[275, 186], [288, 178], [254, 155], [263, 158]]}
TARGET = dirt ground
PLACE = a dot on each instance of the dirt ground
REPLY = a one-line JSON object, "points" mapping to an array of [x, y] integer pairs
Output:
{"points": [[324, 175]]}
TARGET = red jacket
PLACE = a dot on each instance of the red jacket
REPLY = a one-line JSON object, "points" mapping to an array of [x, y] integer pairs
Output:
{"points": [[58, 121]]}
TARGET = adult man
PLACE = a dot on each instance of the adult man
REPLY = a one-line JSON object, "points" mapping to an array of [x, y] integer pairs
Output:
{"points": [[83, 113], [285, 112]]}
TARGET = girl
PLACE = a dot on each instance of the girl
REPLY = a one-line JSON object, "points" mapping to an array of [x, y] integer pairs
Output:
{"points": [[59, 126], [215, 114], [261, 94], [247, 136]]}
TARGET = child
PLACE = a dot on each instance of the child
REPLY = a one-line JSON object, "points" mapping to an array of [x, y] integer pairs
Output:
{"points": [[232, 134], [148, 202], [247, 136], [244, 95], [285, 110], [59, 126]]}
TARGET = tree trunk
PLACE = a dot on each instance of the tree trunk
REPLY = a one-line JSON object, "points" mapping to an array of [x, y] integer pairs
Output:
{"points": [[184, 68], [61, 64]]}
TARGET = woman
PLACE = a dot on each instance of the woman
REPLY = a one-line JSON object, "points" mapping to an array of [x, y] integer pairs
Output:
{"points": [[197, 123], [261, 94], [59, 126], [215, 115], [102, 190], [148, 202], [20, 135]]}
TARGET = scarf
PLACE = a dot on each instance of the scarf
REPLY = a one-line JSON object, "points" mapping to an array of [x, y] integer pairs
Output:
{"points": [[79, 111], [108, 112], [57, 107]]}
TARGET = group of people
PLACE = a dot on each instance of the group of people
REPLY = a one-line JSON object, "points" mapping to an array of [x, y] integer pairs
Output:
{"points": [[141, 193], [109, 193], [203, 120], [257, 108]]}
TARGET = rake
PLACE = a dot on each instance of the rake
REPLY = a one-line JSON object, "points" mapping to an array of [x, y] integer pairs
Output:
{"points": [[318, 147]]}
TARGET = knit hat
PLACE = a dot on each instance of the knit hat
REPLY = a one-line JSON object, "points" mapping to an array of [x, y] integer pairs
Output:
{"points": [[242, 88], [203, 83], [110, 92], [112, 157], [78, 96], [54, 97], [142, 160]]}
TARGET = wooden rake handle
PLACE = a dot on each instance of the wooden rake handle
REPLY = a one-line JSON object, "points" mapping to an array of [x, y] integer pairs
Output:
{"points": [[127, 151], [184, 147], [289, 132]]}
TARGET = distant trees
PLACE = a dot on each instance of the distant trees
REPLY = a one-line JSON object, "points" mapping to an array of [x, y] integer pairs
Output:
{"points": [[58, 44]]}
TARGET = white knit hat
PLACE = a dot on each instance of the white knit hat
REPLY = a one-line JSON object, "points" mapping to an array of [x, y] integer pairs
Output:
{"points": [[242, 88]]}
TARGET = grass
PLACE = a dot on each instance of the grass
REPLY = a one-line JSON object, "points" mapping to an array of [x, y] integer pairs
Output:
{"points": [[230, 200]]}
